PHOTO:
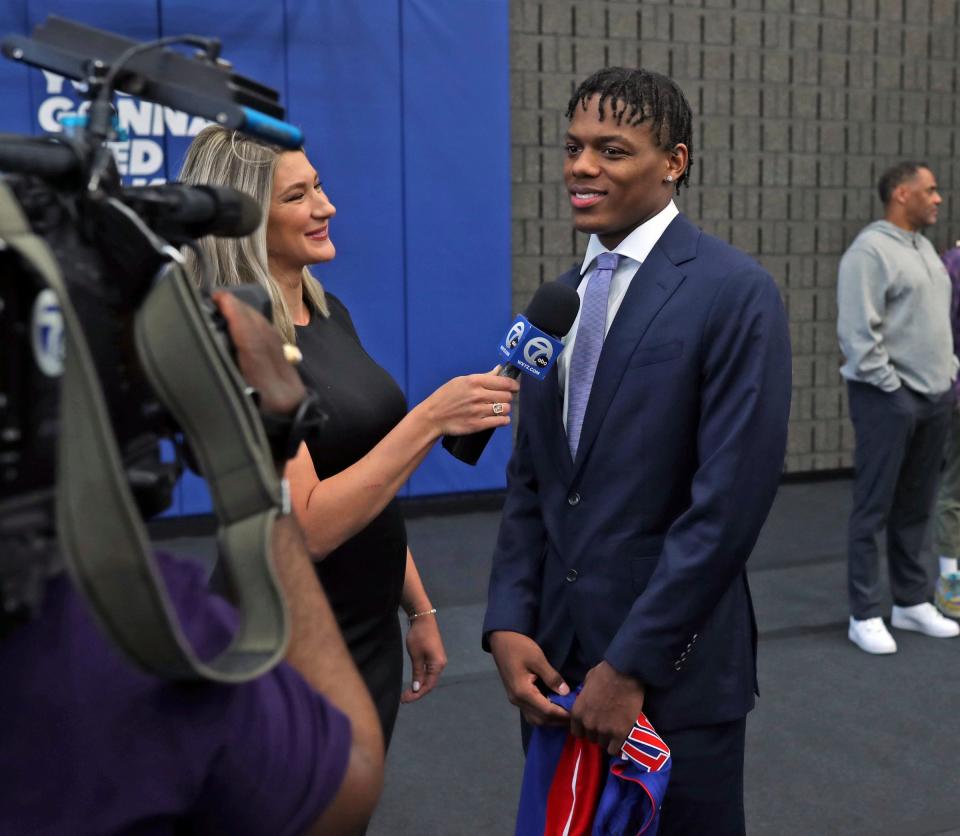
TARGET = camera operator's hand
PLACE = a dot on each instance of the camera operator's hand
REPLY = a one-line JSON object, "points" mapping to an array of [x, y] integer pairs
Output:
{"points": [[260, 356]]}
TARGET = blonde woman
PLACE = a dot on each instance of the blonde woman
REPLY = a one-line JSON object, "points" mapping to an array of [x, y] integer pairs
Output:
{"points": [[345, 479]]}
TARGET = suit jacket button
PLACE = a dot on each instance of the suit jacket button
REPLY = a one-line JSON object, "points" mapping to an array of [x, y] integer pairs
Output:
{"points": [[571, 576], [573, 499], [677, 665]]}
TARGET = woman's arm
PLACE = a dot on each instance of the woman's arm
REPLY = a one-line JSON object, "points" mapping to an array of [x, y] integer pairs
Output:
{"points": [[427, 656], [332, 510]]}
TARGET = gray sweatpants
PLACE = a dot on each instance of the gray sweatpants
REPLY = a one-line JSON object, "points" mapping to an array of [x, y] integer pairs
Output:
{"points": [[899, 444]]}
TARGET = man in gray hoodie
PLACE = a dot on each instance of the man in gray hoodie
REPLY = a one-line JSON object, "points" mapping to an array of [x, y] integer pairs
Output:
{"points": [[894, 327]]}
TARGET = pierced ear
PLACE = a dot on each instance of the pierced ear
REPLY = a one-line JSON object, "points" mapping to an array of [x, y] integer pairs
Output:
{"points": [[678, 160]]}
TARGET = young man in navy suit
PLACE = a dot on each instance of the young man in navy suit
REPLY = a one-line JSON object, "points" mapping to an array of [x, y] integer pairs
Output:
{"points": [[645, 465]]}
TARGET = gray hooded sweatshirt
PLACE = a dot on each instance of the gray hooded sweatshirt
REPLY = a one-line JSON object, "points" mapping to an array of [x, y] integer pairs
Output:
{"points": [[893, 312]]}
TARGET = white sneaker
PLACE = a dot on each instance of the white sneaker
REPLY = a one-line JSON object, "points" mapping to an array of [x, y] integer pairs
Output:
{"points": [[924, 618], [871, 635]]}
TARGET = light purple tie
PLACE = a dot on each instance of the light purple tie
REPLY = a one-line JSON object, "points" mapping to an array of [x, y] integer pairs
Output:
{"points": [[587, 345]]}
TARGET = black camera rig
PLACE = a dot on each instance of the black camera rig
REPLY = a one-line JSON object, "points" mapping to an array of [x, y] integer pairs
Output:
{"points": [[109, 346]]}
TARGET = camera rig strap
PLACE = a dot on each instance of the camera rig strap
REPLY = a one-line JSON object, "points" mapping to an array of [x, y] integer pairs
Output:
{"points": [[186, 361], [102, 537]]}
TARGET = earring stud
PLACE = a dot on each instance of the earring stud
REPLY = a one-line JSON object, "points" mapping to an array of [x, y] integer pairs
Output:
{"points": [[669, 178]]}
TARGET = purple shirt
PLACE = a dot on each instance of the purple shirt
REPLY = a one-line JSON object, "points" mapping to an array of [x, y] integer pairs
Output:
{"points": [[91, 745]]}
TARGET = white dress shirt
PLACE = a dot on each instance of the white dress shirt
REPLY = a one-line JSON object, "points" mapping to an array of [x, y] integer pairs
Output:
{"points": [[633, 251]]}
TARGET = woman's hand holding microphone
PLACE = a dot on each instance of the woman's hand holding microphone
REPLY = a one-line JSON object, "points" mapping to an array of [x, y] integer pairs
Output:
{"points": [[470, 404]]}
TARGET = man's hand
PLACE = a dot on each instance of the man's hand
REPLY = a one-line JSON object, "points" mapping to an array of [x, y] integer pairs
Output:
{"points": [[260, 356], [606, 707], [521, 663]]}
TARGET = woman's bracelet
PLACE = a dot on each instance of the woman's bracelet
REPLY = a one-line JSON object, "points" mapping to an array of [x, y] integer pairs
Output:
{"points": [[412, 616]]}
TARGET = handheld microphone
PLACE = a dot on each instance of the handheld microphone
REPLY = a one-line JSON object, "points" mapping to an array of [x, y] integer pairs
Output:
{"points": [[179, 212], [531, 346]]}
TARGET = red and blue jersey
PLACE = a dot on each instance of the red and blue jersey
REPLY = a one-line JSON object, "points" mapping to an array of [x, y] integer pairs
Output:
{"points": [[571, 787]]}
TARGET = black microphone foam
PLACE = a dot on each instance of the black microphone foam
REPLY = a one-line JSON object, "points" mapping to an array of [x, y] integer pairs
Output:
{"points": [[40, 156], [177, 211], [239, 214], [552, 309]]}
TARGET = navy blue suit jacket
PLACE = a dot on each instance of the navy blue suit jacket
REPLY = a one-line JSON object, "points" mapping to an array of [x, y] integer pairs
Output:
{"points": [[638, 547]]}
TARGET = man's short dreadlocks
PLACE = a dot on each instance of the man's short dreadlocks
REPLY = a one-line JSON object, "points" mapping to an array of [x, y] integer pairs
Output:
{"points": [[641, 96]]}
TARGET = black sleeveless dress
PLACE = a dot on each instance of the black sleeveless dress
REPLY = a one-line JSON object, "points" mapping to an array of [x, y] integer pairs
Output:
{"points": [[363, 578]]}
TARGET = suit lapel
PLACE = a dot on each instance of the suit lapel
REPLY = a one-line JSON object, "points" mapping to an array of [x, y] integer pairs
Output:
{"points": [[652, 285]]}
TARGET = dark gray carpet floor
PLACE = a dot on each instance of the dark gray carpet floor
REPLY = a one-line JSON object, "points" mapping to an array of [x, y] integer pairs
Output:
{"points": [[840, 743]]}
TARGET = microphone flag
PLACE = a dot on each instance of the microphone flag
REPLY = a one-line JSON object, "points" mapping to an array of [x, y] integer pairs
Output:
{"points": [[527, 348]]}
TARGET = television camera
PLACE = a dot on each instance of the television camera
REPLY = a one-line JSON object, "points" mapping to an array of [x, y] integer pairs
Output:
{"points": [[108, 347]]}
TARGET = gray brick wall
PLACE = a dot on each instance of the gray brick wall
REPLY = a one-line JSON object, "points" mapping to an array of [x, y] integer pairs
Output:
{"points": [[798, 106]]}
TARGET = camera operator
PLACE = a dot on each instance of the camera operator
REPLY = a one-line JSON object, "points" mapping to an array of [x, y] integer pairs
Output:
{"points": [[92, 745]]}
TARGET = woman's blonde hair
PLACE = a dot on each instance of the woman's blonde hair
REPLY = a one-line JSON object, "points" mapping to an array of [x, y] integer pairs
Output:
{"points": [[219, 157]]}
